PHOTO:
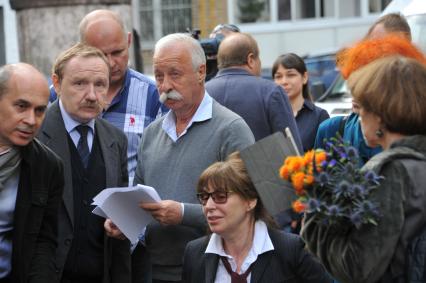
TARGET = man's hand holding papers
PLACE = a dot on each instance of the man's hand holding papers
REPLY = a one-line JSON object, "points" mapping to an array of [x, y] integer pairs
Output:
{"points": [[167, 212], [121, 206]]}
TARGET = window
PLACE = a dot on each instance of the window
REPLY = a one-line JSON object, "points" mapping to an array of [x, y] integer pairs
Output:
{"points": [[146, 19], [176, 15], [162, 17], [284, 10], [251, 11], [256, 11], [349, 9], [376, 6]]}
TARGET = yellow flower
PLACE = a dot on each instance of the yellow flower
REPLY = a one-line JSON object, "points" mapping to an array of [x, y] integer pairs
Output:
{"points": [[296, 164], [297, 181], [309, 180], [309, 157], [320, 156], [284, 172], [298, 206]]}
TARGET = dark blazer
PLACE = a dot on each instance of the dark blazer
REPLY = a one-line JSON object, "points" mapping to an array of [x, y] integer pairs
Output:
{"points": [[261, 103], [113, 144], [288, 262], [36, 215]]}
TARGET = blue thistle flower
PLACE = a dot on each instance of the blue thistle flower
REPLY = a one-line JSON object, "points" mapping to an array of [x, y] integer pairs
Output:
{"points": [[332, 163], [372, 177], [367, 207], [328, 145], [343, 155], [352, 152], [343, 188], [349, 168], [333, 210], [323, 178], [356, 218], [313, 205], [358, 190]]}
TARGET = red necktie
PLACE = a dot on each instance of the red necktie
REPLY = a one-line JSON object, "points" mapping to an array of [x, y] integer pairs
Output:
{"points": [[235, 277]]}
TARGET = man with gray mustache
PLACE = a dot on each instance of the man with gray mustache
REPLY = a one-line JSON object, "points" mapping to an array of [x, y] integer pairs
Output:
{"points": [[176, 148], [173, 95], [94, 156]]}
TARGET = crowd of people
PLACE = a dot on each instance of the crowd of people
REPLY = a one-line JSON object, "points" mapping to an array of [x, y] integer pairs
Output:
{"points": [[107, 125]]}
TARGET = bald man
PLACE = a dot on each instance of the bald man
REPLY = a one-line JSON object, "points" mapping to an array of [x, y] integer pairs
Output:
{"points": [[31, 179], [132, 98], [261, 103]]}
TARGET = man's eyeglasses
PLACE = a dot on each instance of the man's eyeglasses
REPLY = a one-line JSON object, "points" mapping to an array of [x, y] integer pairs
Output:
{"points": [[229, 27], [218, 197]]}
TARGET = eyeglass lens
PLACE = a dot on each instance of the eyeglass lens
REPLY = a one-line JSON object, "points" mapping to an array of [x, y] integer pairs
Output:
{"points": [[217, 196]]}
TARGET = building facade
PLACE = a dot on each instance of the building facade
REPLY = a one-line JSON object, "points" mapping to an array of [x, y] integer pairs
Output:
{"points": [[9, 52], [280, 26]]}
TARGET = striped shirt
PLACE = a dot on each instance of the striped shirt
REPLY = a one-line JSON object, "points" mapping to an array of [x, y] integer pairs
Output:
{"points": [[132, 110]]}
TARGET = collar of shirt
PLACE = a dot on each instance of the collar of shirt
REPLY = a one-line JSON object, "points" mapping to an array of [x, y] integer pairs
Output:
{"points": [[233, 71], [203, 113], [261, 244], [70, 125], [308, 105]]}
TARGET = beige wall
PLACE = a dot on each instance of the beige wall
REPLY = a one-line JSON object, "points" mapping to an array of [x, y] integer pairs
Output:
{"points": [[44, 32], [206, 14]]}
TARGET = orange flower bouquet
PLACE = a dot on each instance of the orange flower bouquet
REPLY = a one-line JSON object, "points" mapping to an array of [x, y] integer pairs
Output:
{"points": [[330, 183]]}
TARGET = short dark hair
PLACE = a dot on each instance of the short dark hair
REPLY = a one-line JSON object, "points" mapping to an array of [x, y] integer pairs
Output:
{"points": [[393, 22], [232, 175], [393, 89], [236, 54], [292, 61]]}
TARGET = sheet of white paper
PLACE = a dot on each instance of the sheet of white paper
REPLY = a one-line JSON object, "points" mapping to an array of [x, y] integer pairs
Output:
{"points": [[99, 211], [121, 206]]}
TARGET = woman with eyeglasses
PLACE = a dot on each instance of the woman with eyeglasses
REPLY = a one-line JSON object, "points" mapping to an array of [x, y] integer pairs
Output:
{"points": [[243, 245]]}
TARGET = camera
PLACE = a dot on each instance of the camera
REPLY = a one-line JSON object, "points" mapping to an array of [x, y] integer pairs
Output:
{"points": [[210, 47]]}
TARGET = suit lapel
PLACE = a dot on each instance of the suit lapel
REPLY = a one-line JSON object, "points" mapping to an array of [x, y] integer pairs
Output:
{"points": [[212, 261], [109, 152], [55, 136], [258, 273]]}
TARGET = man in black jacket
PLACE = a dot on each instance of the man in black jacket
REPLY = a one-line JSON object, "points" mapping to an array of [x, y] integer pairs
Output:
{"points": [[31, 179], [94, 154]]}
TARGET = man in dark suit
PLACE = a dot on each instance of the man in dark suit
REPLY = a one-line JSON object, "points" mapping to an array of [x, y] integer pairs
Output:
{"points": [[237, 86], [31, 179], [94, 156]]}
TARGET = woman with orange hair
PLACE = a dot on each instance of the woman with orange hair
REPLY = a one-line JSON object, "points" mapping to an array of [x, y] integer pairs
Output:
{"points": [[392, 100], [351, 59]]}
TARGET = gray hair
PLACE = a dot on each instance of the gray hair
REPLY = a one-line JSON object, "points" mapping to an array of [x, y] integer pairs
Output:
{"points": [[97, 15], [5, 74], [197, 53]]}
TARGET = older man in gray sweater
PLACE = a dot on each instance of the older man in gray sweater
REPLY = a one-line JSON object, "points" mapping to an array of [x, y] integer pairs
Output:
{"points": [[176, 148]]}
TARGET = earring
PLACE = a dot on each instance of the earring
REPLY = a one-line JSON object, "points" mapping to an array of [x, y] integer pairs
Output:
{"points": [[379, 133]]}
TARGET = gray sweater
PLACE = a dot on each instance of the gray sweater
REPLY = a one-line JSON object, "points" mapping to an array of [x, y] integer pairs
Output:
{"points": [[173, 169]]}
